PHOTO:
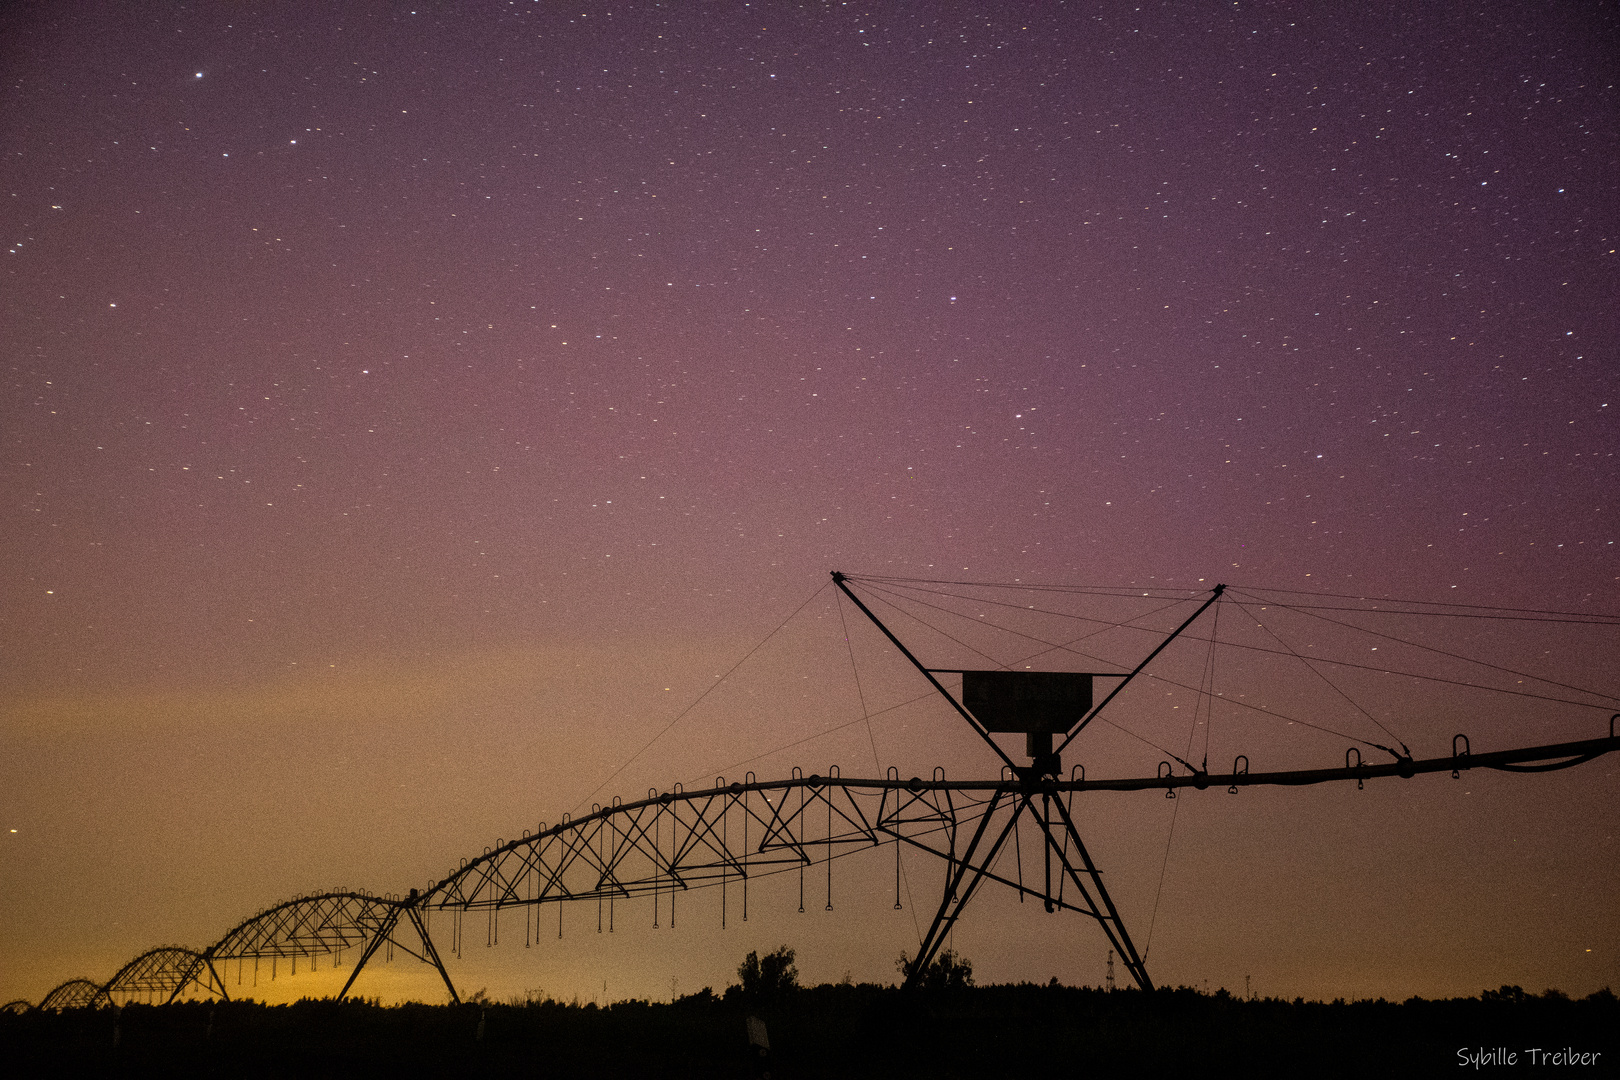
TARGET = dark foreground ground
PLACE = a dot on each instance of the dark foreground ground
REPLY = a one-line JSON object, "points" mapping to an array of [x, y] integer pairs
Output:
{"points": [[834, 1031]]}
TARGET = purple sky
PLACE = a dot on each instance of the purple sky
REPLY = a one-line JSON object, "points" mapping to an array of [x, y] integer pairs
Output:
{"points": [[399, 400]]}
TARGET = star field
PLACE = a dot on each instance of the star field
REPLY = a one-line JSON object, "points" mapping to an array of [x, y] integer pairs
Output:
{"points": [[433, 385]]}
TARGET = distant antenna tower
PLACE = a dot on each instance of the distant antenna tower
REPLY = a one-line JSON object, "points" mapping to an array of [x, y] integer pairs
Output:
{"points": [[1110, 971]]}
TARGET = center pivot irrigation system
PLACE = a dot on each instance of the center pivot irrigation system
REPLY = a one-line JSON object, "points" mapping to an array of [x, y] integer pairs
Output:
{"points": [[730, 834]]}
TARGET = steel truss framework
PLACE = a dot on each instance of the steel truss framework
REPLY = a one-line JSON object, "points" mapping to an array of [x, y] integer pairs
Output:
{"points": [[76, 994], [161, 974], [725, 836], [331, 923]]}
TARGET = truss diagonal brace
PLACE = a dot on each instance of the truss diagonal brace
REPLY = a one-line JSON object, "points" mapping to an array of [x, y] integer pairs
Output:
{"points": [[413, 910], [1112, 694], [974, 871], [377, 939], [1113, 925], [946, 917], [839, 580], [214, 974]]}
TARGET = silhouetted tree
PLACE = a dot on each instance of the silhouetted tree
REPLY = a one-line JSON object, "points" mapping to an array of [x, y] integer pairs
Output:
{"points": [[948, 971], [771, 977]]}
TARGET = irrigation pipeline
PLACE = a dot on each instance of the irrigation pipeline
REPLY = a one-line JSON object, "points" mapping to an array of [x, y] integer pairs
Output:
{"points": [[1545, 758], [922, 809], [725, 835]]}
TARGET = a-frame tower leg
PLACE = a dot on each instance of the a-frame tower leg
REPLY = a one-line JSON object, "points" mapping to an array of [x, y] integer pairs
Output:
{"points": [[371, 947], [974, 865], [1112, 924], [431, 953], [956, 896]]}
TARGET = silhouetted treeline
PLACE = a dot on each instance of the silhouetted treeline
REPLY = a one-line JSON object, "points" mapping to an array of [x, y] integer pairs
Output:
{"points": [[825, 1031]]}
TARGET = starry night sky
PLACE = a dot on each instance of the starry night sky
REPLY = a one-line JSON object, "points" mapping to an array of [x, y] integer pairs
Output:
{"points": [[409, 410]]}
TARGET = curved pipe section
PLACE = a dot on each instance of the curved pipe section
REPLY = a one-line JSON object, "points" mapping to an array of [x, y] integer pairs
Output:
{"points": [[76, 994], [329, 923], [161, 974], [678, 840], [308, 926]]}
